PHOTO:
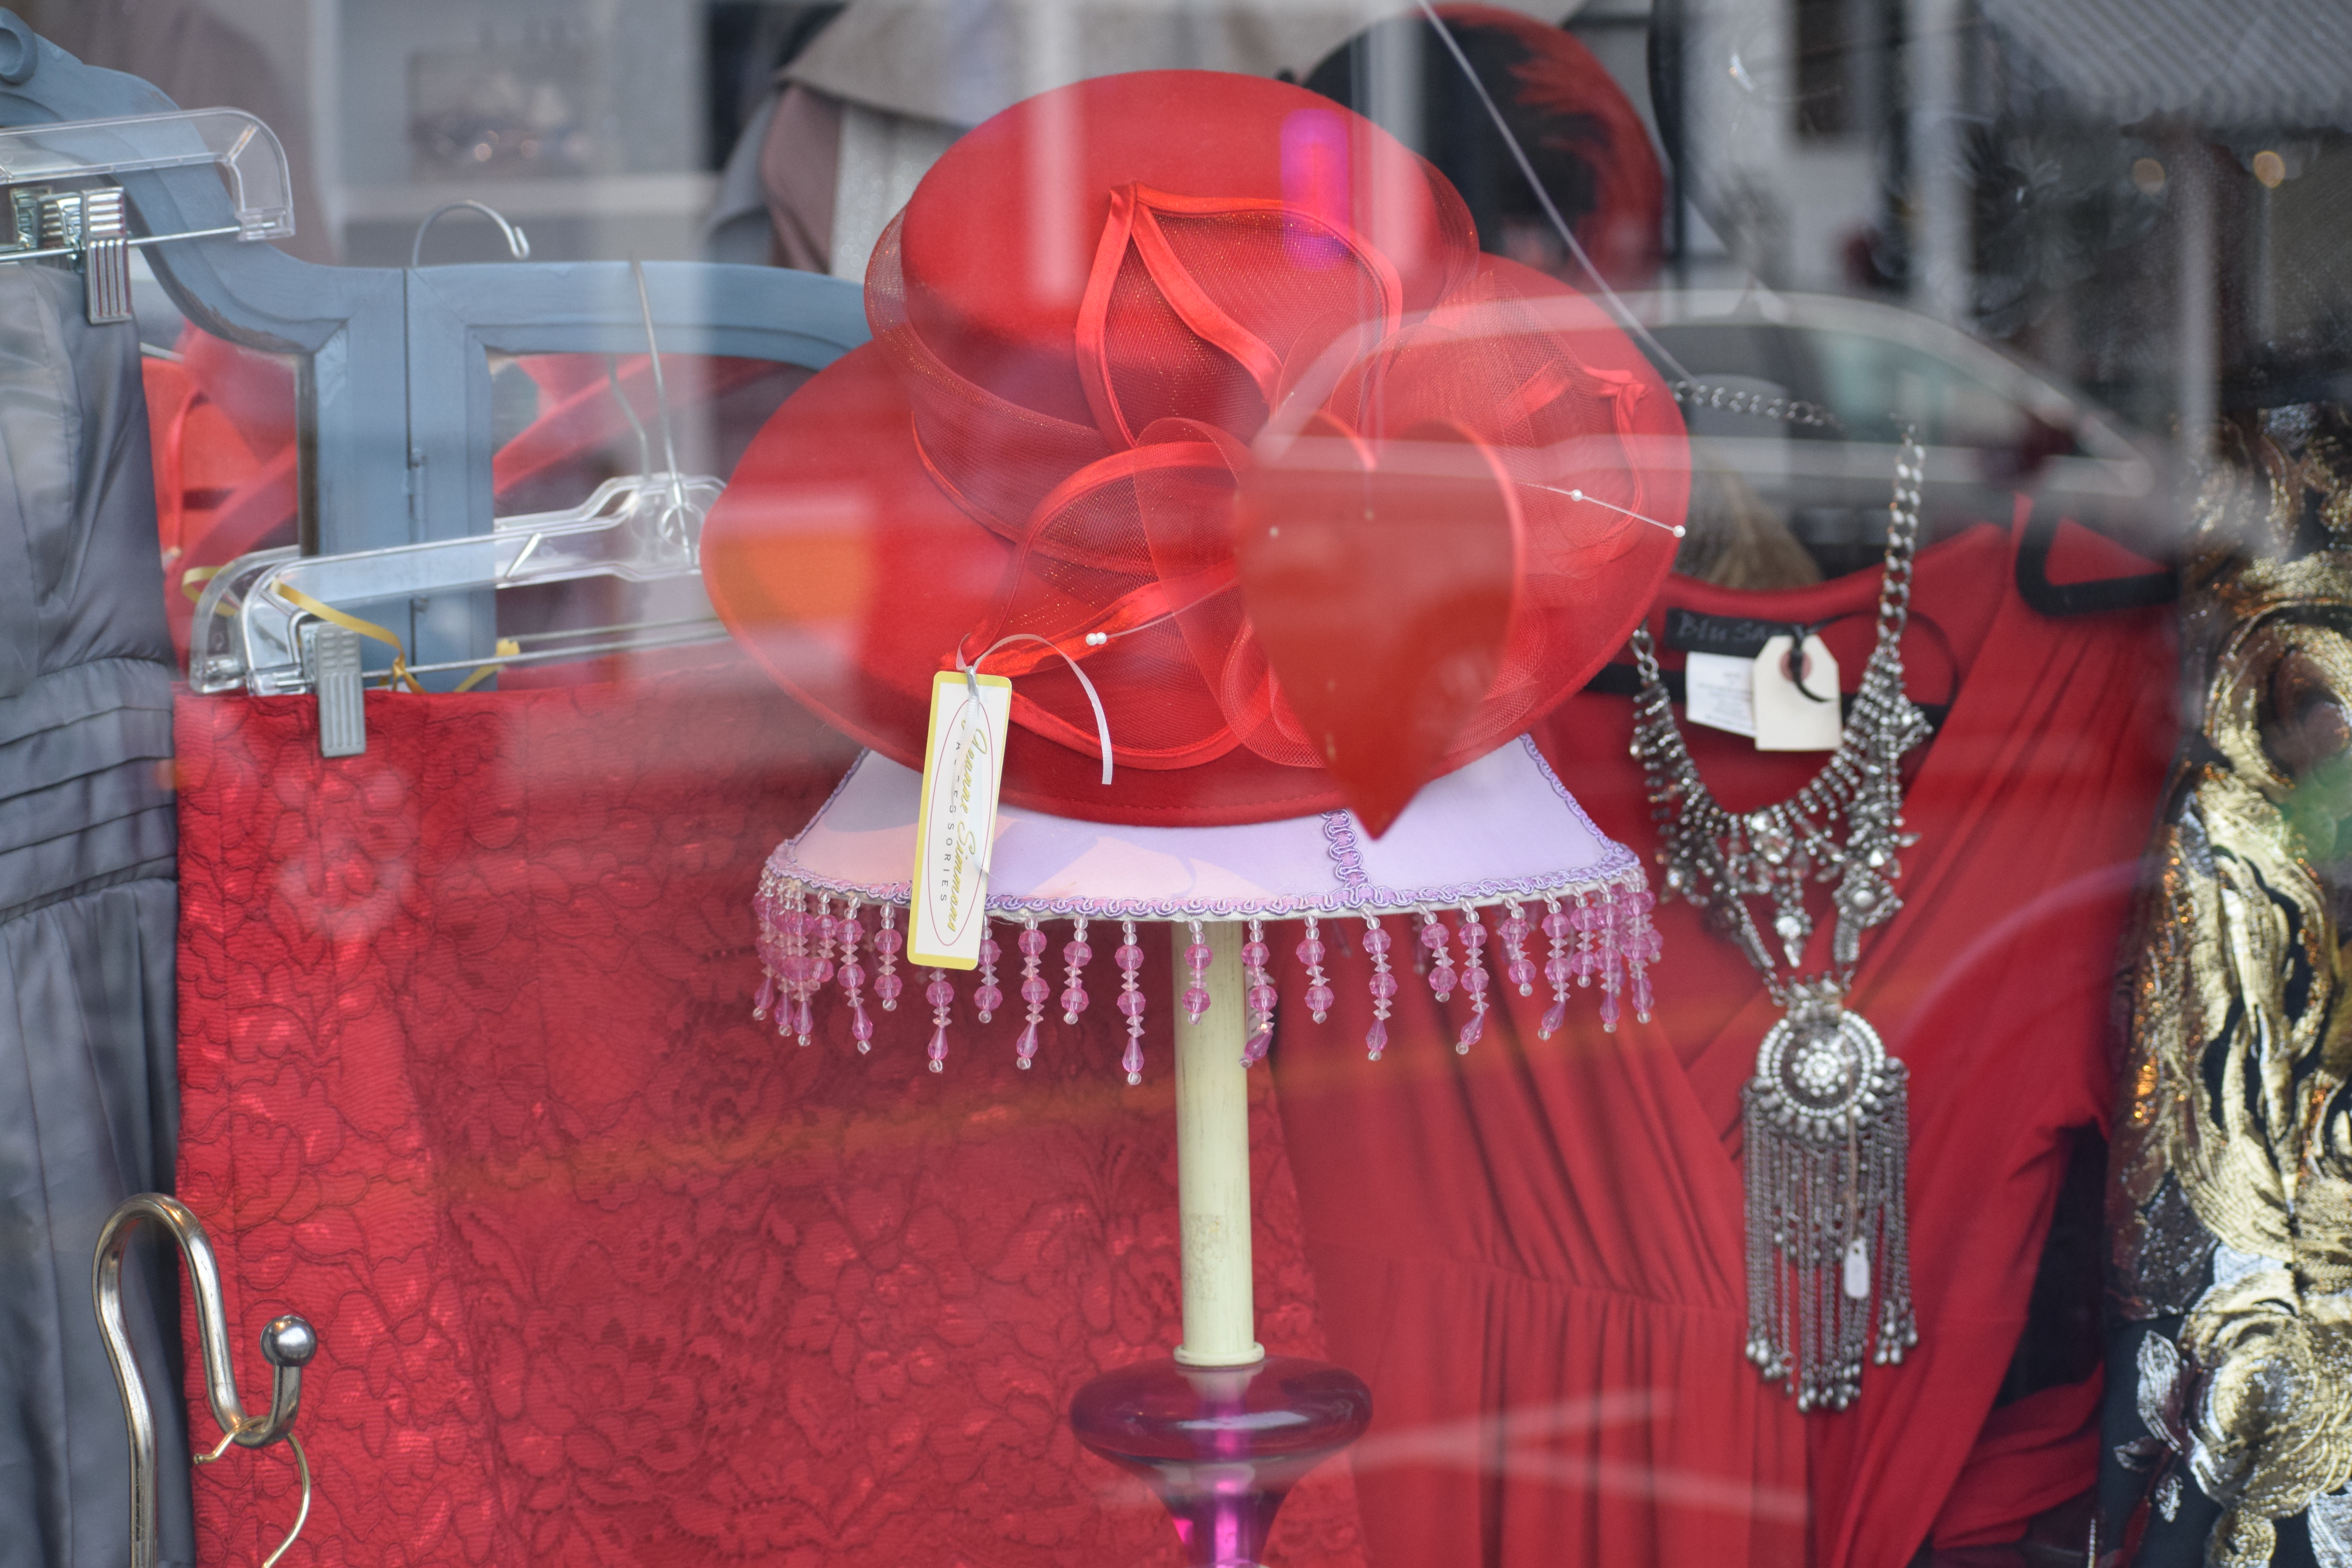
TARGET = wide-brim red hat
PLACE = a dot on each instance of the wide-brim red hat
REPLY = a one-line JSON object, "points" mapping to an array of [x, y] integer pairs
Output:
{"points": [[1200, 381]]}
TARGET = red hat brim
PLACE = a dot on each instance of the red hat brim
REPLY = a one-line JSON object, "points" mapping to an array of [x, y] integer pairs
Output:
{"points": [[849, 574]]}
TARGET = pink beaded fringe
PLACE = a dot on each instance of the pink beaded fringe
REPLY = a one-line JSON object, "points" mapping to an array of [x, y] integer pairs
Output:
{"points": [[810, 937]]}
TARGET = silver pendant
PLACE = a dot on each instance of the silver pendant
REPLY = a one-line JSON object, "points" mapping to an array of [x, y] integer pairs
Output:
{"points": [[1827, 1116], [1826, 1122]]}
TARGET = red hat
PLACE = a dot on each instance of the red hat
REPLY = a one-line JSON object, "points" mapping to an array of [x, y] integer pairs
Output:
{"points": [[1201, 382]]}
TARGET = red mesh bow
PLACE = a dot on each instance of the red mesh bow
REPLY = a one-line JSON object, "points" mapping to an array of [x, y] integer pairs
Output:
{"points": [[1248, 359]]}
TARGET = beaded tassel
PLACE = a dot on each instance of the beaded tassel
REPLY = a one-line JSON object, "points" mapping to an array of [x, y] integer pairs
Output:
{"points": [[1473, 980], [1033, 990], [1826, 1221], [792, 1017], [1557, 968], [1612, 968], [763, 942], [987, 997], [887, 982], [1643, 946], [1196, 959], [1260, 995], [1580, 919], [1074, 953], [820, 973], [938, 993], [764, 907], [1518, 969], [1319, 995], [861, 1027], [1440, 967], [780, 954], [1129, 959], [1384, 987]]}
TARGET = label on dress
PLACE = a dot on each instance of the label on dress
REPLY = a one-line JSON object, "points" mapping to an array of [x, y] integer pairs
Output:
{"points": [[1734, 636], [1719, 692], [955, 832], [1797, 707]]}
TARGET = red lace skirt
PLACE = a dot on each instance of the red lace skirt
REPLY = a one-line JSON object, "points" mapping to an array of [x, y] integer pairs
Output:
{"points": [[604, 1271]]}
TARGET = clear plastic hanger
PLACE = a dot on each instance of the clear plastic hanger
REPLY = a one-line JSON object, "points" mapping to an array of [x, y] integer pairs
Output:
{"points": [[65, 203], [250, 622], [278, 621], [251, 629]]}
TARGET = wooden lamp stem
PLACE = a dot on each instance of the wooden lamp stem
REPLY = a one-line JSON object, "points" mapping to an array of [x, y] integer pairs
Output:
{"points": [[1223, 1431], [1213, 1163]]}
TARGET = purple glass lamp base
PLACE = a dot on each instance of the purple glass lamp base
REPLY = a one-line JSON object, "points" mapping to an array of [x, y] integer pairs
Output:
{"points": [[1222, 1446]]}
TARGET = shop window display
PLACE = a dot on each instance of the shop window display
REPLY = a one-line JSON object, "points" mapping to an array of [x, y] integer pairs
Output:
{"points": [[1191, 783]]}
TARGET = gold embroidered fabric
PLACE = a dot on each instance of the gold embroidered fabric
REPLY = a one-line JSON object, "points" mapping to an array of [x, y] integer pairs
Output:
{"points": [[2232, 1186]]}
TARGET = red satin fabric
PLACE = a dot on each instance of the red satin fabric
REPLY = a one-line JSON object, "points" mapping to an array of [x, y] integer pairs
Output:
{"points": [[604, 1271], [1534, 1253]]}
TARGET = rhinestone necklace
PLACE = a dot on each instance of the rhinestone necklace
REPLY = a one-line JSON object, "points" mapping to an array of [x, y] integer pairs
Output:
{"points": [[1825, 1119]]}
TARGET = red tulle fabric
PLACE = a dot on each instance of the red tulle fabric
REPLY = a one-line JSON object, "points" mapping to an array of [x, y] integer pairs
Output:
{"points": [[1534, 1253], [604, 1272], [1209, 320]]}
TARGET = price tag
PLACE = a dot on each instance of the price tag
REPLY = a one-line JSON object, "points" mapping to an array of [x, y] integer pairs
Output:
{"points": [[1797, 707], [1719, 691], [964, 768]]}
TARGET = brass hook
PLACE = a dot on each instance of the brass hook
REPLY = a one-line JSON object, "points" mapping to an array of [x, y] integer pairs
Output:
{"points": [[288, 1344]]}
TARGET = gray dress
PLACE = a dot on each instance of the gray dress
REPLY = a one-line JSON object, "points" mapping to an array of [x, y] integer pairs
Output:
{"points": [[89, 1097]]}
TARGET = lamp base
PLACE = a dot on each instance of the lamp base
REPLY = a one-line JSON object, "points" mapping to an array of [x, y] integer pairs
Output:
{"points": [[1222, 1446]]}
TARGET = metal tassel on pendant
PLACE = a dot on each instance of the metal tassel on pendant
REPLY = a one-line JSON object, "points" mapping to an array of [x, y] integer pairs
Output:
{"points": [[1827, 1125]]}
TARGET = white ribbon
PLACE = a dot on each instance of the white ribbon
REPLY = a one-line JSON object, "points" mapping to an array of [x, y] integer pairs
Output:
{"points": [[971, 669]]}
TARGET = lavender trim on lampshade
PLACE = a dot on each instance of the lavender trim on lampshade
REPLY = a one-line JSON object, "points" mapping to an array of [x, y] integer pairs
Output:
{"points": [[1339, 836], [1367, 899]]}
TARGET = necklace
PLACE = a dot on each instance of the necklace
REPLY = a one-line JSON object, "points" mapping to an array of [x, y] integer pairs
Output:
{"points": [[1825, 1121]]}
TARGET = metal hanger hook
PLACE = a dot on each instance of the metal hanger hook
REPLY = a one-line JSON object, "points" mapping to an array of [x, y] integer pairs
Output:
{"points": [[288, 1344], [518, 242], [302, 1468]]}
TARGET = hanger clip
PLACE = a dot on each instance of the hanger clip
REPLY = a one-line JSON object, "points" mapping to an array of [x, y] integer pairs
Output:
{"points": [[91, 227], [332, 658]]}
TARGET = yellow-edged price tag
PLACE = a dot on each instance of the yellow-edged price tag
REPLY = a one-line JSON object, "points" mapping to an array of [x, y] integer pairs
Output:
{"points": [[963, 769]]}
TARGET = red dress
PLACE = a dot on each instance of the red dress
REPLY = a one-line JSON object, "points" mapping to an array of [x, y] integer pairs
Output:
{"points": [[1534, 1253], [604, 1271]]}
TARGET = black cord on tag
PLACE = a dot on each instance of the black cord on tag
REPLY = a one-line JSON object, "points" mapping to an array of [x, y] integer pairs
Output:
{"points": [[1796, 666]]}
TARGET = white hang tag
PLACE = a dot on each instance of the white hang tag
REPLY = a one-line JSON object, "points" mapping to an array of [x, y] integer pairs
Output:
{"points": [[1796, 709], [1857, 1270], [964, 768], [1719, 691]]}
